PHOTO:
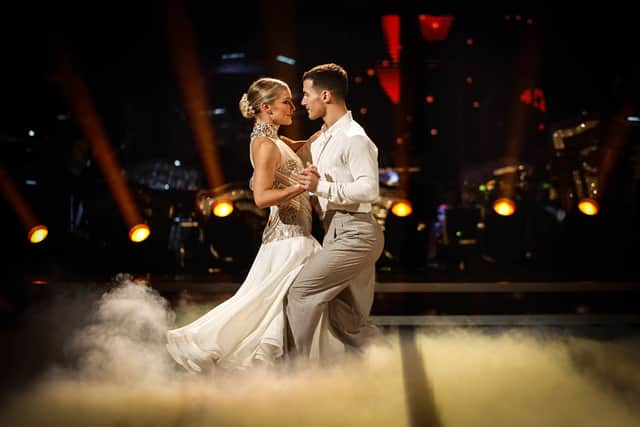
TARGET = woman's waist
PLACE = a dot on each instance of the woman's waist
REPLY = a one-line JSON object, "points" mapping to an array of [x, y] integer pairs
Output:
{"points": [[279, 230]]}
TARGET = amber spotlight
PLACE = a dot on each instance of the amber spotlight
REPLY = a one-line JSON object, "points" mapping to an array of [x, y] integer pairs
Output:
{"points": [[588, 206], [402, 208], [38, 233], [504, 206], [222, 208], [139, 233]]}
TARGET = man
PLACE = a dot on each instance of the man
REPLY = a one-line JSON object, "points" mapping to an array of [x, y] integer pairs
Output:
{"points": [[340, 279]]}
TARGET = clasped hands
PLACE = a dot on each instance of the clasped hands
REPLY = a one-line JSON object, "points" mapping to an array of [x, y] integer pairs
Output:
{"points": [[308, 178]]}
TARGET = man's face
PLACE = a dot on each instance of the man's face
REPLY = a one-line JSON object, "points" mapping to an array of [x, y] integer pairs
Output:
{"points": [[312, 100]]}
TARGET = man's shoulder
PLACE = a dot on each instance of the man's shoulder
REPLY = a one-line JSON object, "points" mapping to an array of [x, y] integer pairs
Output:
{"points": [[354, 129]]}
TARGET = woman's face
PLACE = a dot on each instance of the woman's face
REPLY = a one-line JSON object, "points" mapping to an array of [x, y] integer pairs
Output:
{"points": [[282, 108]]}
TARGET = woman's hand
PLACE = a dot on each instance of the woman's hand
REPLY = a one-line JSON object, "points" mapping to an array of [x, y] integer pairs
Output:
{"points": [[309, 177]]}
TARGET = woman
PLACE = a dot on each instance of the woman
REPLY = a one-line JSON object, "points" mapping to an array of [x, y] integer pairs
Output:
{"points": [[250, 326]]}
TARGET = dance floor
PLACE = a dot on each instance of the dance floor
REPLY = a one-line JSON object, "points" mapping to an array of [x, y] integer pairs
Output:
{"points": [[452, 354]]}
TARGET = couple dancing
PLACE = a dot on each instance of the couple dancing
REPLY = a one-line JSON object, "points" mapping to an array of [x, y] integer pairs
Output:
{"points": [[299, 299]]}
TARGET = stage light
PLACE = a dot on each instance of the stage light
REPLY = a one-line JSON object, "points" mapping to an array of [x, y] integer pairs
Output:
{"points": [[504, 206], [86, 113], [435, 28], [389, 177], [231, 241], [285, 59], [186, 60], [588, 206], [38, 233], [534, 97], [585, 189], [234, 55], [402, 208], [391, 29], [222, 208], [390, 80], [139, 233]]}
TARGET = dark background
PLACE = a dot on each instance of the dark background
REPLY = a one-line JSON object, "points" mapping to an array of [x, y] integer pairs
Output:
{"points": [[583, 59]]}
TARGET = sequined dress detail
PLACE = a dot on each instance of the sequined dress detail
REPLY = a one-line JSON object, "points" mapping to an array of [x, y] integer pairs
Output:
{"points": [[291, 218]]}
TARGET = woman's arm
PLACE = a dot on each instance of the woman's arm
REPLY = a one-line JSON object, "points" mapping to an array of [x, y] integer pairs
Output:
{"points": [[266, 156]]}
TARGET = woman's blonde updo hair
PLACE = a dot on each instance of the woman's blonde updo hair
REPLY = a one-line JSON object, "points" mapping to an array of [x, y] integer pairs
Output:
{"points": [[262, 90]]}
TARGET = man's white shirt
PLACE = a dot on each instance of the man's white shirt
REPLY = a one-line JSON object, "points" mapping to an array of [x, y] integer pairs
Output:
{"points": [[347, 161]]}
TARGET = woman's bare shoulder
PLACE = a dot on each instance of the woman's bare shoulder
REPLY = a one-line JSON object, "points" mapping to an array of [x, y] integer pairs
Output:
{"points": [[263, 147]]}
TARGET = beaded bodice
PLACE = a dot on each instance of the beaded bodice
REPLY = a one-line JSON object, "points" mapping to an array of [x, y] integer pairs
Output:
{"points": [[292, 218]]}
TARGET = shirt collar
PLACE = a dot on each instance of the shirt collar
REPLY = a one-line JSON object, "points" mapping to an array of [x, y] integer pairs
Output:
{"points": [[341, 122]]}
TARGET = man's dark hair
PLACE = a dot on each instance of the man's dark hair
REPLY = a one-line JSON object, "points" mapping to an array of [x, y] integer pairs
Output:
{"points": [[331, 77]]}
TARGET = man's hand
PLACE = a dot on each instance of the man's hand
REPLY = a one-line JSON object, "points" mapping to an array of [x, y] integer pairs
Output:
{"points": [[311, 168], [309, 177]]}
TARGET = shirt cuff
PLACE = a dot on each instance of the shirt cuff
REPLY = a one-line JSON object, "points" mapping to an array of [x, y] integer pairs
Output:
{"points": [[323, 188]]}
